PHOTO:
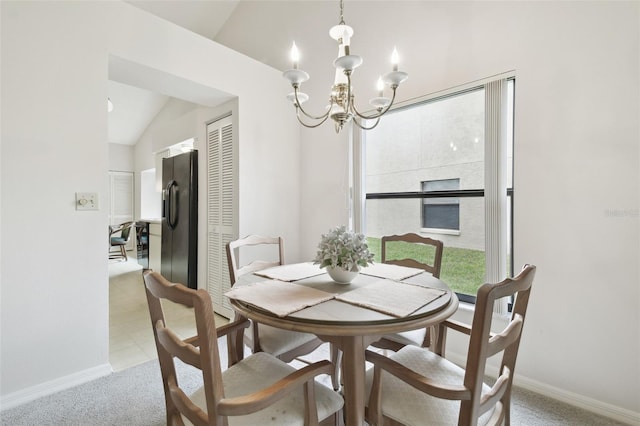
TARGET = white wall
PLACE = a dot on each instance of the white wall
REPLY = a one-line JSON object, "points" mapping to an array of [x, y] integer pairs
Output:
{"points": [[54, 311], [55, 61], [576, 171], [150, 198], [121, 157]]}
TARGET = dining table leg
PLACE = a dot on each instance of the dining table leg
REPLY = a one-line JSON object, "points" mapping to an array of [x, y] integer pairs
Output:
{"points": [[353, 374], [353, 377]]}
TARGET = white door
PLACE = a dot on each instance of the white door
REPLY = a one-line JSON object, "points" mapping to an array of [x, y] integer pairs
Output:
{"points": [[121, 202], [221, 193]]}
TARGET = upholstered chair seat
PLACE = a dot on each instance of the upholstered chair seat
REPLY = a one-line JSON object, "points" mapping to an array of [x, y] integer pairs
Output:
{"points": [[409, 406], [241, 379]]}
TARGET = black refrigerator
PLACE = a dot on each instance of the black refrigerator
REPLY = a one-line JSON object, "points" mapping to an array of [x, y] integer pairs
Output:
{"points": [[179, 251]]}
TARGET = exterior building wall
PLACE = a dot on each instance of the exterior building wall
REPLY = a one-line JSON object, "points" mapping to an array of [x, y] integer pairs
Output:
{"points": [[440, 140]]}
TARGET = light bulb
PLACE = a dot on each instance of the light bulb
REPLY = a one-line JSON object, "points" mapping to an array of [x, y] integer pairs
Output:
{"points": [[295, 55], [394, 59], [380, 86]]}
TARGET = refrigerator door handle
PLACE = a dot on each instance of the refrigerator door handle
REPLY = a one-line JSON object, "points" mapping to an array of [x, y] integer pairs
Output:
{"points": [[171, 204]]}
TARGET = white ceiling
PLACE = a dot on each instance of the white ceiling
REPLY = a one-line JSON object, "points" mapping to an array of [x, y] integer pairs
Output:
{"points": [[200, 16], [135, 107], [133, 110]]}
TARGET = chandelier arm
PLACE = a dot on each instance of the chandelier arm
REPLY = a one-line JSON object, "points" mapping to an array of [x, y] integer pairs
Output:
{"points": [[363, 127], [313, 117], [311, 126], [380, 113]]}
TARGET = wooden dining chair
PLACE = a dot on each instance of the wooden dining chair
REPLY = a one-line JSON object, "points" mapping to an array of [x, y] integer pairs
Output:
{"points": [[252, 391], [427, 255], [418, 386], [283, 344], [420, 260], [276, 254]]}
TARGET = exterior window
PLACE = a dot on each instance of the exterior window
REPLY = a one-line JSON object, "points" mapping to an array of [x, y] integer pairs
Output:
{"points": [[441, 213], [459, 147]]}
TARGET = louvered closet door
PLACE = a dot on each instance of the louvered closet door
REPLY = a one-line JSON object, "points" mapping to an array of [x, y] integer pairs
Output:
{"points": [[220, 215]]}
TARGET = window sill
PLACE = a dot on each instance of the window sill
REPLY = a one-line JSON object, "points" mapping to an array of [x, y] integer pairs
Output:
{"points": [[440, 231], [468, 307]]}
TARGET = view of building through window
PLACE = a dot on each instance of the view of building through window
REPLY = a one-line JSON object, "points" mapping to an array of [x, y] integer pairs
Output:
{"points": [[441, 213], [424, 172]]}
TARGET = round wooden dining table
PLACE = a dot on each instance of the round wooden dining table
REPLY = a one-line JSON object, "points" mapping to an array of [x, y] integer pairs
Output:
{"points": [[350, 327]]}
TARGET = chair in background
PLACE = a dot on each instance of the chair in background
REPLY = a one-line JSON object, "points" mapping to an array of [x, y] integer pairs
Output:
{"points": [[283, 344], [432, 267], [251, 391], [119, 241], [418, 386], [422, 337], [235, 270]]}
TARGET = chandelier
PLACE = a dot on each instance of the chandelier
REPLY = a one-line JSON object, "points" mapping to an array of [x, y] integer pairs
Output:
{"points": [[341, 108]]}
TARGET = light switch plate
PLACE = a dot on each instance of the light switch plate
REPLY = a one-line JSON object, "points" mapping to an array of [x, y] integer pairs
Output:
{"points": [[86, 201]]}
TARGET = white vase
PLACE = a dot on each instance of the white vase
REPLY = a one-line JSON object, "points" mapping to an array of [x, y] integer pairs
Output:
{"points": [[341, 275]]}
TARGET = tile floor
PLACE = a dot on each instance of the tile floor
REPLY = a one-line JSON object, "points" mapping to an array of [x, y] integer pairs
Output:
{"points": [[130, 336]]}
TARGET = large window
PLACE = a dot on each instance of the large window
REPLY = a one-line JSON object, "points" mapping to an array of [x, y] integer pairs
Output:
{"points": [[442, 167]]}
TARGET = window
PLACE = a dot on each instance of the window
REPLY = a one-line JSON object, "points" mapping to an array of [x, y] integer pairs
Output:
{"points": [[441, 213], [458, 146]]}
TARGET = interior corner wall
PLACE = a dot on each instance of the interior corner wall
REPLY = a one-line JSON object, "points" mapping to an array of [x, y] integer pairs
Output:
{"points": [[56, 289], [121, 157], [269, 170], [326, 200]]}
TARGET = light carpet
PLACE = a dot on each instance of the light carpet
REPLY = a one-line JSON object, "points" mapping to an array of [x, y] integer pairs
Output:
{"points": [[135, 397]]}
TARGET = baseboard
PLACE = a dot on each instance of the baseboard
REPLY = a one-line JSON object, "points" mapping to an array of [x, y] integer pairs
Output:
{"points": [[48, 388], [589, 404]]}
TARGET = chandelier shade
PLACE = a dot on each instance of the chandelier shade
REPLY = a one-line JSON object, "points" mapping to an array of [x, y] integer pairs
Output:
{"points": [[341, 108]]}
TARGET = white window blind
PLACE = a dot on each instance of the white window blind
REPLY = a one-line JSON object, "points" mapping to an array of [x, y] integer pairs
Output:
{"points": [[495, 194]]}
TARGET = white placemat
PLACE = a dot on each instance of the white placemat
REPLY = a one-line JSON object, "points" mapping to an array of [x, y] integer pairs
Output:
{"points": [[279, 297], [291, 272], [392, 272], [391, 297]]}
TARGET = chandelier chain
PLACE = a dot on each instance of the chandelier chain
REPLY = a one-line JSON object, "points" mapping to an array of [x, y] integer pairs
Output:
{"points": [[341, 12]]}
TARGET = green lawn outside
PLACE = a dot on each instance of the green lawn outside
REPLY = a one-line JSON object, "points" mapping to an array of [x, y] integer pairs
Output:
{"points": [[462, 269]]}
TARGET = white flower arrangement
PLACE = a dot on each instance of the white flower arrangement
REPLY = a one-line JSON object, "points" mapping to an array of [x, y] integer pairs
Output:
{"points": [[342, 248]]}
